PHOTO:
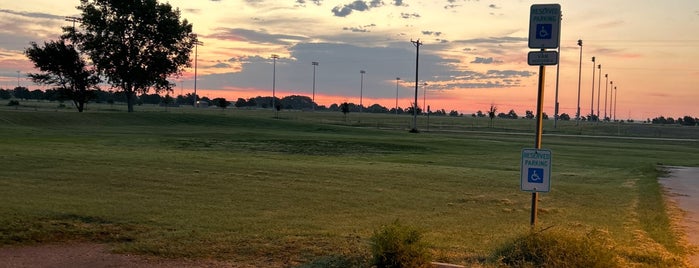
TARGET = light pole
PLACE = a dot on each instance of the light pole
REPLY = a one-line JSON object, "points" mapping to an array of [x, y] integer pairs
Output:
{"points": [[592, 102], [577, 114], [424, 98], [274, 80], [361, 89], [606, 93], [397, 80], [197, 43], [599, 88], [615, 98], [315, 63], [558, 72], [417, 45], [611, 98]]}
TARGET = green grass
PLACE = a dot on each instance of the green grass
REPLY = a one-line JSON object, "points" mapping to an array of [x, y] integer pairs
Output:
{"points": [[241, 185]]}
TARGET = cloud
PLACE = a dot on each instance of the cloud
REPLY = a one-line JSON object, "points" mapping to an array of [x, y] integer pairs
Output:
{"points": [[36, 15], [359, 29], [398, 2], [408, 15], [303, 2], [376, 3], [344, 11], [431, 33], [490, 60], [338, 73], [494, 40], [509, 73], [220, 65], [256, 37]]}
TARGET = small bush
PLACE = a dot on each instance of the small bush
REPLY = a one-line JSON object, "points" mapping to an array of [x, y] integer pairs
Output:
{"points": [[13, 103], [399, 246], [559, 249]]}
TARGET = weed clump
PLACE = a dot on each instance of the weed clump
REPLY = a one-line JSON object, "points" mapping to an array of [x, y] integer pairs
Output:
{"points": [[399, 246], [551, 248]]}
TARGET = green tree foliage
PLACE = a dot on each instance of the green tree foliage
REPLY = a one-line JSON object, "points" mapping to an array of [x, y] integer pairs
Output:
{"points": [[62, 66], [221, 102], [135, 44]]}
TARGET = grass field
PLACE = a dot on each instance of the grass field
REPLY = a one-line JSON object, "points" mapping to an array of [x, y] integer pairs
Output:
{"points": [[249, 187]]}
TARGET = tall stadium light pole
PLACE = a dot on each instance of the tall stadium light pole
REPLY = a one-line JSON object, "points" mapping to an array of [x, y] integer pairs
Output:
{"points": [[577, 114], [361, 89], [274, 80], [424, 98], [606, 93], [599, 88], [315, 63], [592, 102], [397, 80], [417, 45], [615, 100], [558, 72], [197, 43], [611, 98]]}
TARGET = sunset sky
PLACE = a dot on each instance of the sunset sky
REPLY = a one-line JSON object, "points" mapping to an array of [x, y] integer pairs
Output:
{"points": [[474, 53]]}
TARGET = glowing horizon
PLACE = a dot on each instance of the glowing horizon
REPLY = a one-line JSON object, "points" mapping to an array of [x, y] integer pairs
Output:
{"points": [[473, 54]]}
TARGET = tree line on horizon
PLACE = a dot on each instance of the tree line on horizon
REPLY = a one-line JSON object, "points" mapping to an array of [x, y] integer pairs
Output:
{"points": [[293, 102]]}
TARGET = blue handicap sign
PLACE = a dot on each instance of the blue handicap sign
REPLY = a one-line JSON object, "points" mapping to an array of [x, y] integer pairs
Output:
{"points": [[535, 175], [544, 31]]}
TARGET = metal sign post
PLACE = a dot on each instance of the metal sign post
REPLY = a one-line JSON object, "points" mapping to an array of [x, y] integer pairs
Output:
{"points": [[544, 32]]}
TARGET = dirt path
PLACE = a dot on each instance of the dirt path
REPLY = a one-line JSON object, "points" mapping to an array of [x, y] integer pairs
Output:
{"points": [[683, 187]]}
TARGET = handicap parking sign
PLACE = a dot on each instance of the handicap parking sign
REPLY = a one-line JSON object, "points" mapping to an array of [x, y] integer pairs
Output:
{"points": [[544, 31], [535, 172]]}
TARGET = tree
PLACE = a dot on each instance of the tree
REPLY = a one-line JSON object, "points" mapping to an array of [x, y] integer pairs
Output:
{"points": [[688, 121], [61, 65], [135, 44], [529, 114], [344, 107], [512, 115], [564, 116], [221, 103], [240, 103], [491, 113]]}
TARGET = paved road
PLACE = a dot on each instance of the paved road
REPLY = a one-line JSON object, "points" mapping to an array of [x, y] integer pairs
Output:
{"points": [[683, 185]]}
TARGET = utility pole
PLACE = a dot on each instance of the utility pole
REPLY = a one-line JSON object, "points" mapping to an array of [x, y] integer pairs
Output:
{"points": [[197, 43], [274, 81], [417, 44]]}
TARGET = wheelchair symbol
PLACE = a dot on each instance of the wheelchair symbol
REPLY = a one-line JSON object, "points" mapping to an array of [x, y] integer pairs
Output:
{"points": [[535, 175], [544, 31]]}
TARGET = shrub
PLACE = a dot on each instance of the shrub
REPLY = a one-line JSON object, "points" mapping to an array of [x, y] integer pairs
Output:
{"points": [[397, 245], [559, 249], [13, 103]]}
